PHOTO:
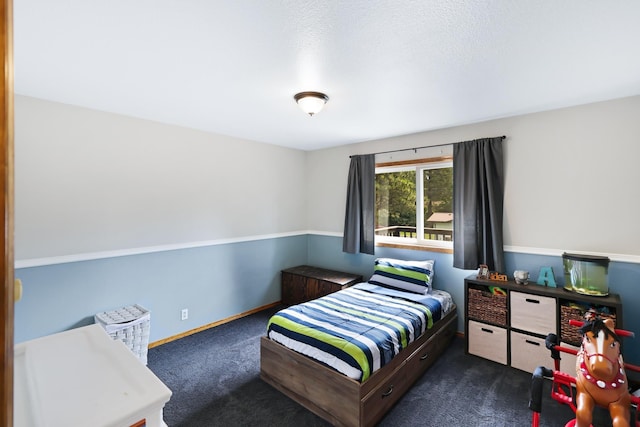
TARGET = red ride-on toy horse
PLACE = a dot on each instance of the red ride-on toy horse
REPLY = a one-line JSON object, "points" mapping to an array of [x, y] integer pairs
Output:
{"points": [[600, 378]]}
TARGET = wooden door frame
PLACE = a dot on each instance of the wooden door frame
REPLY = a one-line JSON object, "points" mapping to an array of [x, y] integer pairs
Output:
{"points": [[6, 207]]}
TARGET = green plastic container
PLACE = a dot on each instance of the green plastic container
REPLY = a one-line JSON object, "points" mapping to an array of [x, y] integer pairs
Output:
{"points": [[586, 274]]}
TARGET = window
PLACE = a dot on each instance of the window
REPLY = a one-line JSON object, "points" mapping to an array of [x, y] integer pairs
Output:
{"points": [[403, 218]]}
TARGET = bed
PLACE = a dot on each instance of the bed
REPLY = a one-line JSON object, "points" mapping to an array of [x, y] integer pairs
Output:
{"points": [[327, 355]]}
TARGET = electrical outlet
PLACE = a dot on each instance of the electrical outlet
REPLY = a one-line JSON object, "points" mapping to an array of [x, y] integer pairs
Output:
{"points": [[185, 313]]}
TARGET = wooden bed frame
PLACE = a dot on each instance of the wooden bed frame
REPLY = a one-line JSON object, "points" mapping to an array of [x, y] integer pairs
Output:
{"points": [[341, 400]]}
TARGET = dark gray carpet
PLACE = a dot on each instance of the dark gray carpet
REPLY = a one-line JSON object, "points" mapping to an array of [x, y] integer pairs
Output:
{"points": [[214, 376]]}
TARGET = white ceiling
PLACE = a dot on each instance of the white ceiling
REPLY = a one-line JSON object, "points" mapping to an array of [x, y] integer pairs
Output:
{"points": [[389, 67]]}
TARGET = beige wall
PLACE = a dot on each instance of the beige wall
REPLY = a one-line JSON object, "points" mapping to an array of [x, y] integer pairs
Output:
{"points": [[571, 177], [89, 181]]}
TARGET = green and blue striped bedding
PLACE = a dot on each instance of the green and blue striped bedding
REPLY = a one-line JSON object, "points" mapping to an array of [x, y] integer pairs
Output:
{"points": [[355, 331]]}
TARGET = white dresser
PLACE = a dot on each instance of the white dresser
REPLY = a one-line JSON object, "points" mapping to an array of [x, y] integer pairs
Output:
{"points": [[82, 377]]}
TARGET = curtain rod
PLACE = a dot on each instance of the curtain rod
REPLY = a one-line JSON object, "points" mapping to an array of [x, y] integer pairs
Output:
{"points": [[418, 148]]}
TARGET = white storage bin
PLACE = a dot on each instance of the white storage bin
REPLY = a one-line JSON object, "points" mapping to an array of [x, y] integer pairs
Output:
{"points": [[534, 313], [528, 352], [488, 341], [131, 325]]}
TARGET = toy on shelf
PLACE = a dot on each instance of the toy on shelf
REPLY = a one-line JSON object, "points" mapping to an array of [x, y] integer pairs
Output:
{"points": [[484, 273], [497, 291], [546, 277], [498, 277], [521, 277]]}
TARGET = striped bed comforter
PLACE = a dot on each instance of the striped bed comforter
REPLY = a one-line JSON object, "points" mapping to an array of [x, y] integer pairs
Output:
{"points": [[357, 330]]}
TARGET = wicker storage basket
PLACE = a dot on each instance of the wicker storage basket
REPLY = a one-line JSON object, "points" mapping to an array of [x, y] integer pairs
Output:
{"points": [[571, 334], [487, 306], [130, 325]]}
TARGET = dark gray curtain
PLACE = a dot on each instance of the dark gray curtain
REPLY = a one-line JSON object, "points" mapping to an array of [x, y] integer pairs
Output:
{"points": [[478, 195], [359, 215]]}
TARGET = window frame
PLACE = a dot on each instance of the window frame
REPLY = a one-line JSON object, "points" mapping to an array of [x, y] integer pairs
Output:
{"points": [[419, 165]]}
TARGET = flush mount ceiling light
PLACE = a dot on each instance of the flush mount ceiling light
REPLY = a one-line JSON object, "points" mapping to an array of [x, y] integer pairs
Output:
{"points": [[311, 102]]}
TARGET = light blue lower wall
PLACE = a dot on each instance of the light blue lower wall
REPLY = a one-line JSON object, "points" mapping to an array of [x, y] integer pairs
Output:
{"points": [[217, 282], [213, 282], [624, 278]]}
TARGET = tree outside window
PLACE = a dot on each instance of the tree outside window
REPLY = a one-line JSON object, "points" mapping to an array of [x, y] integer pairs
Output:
{"points": [[401, 216]]}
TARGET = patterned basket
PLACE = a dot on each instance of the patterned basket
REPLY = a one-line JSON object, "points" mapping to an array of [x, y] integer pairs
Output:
{"points": [[571, 334], [487, 306], [131, 325]]}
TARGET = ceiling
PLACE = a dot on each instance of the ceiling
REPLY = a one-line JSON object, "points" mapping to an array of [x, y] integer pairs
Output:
{"points": [[389, 67]]}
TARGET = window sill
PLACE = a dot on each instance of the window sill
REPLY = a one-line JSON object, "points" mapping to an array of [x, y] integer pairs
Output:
{"points": [[415, 247]]}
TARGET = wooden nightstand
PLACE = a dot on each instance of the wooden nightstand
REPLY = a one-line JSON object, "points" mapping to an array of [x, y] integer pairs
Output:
{"points": [[304, 283]]}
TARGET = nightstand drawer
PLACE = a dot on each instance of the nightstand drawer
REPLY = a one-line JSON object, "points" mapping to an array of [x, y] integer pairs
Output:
{"points": [[488, 341], [533, 313]]}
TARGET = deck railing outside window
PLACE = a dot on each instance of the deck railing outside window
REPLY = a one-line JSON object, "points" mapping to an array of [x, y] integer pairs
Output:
{"points": [[410, 232]]}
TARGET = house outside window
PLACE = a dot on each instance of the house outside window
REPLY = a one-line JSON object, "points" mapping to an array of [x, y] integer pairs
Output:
{"points": [[414, 204]]}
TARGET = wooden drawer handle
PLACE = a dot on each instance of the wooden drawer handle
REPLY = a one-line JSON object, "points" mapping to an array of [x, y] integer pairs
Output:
{"points": [[533, 301], [425, 356], [388, 392], [532, 342], [486, 330]]}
